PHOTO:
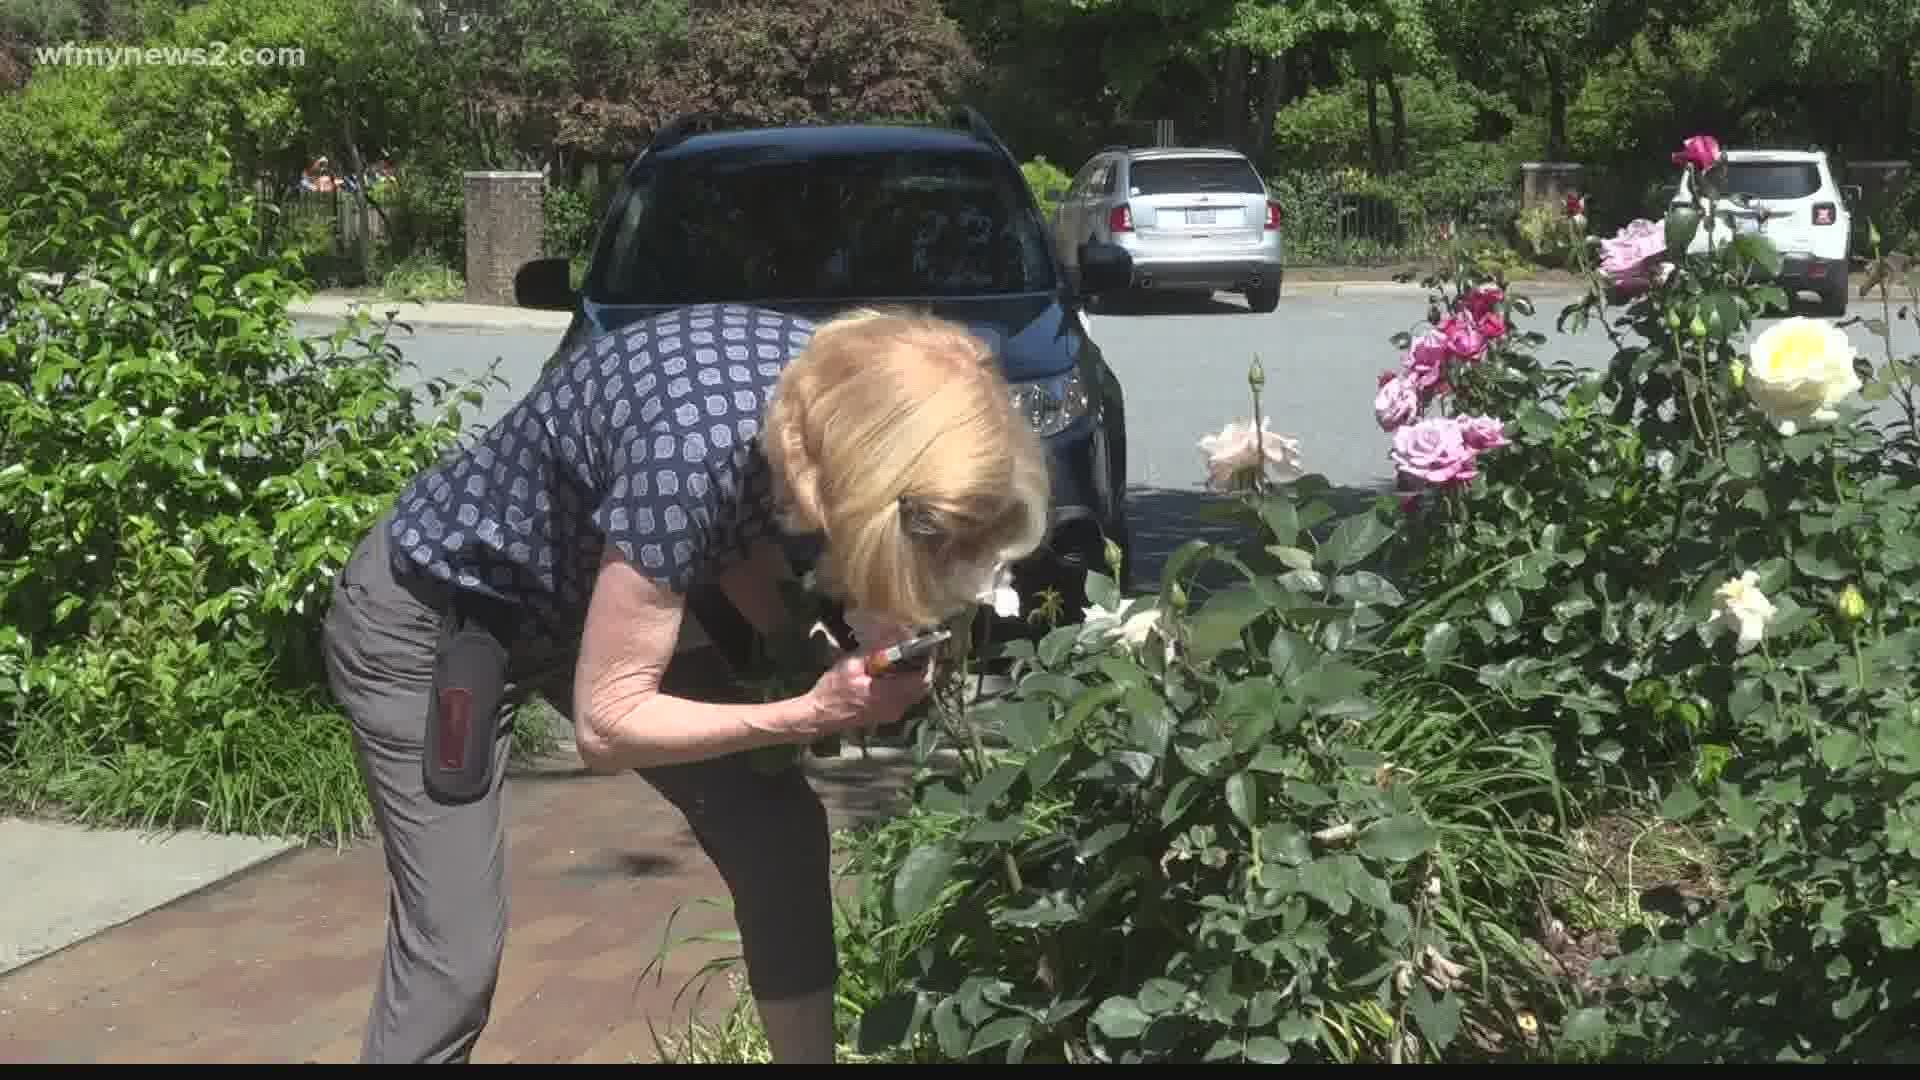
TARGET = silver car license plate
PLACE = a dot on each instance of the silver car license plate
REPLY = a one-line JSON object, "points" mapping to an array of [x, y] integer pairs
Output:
{"points": [[1200, 217]]}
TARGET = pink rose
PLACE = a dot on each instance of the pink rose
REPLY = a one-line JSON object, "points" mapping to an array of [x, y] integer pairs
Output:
{"points": [[1492, 326], [1482, 300], [1427, 361], [1463, 338], [1396, 403], [1482, 433], [1702, 152], [1628, 257], [1434, 450]]}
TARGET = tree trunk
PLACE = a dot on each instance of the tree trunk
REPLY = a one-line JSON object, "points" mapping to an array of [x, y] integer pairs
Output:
{"points": [[1398, 103], [1556, 107], [1233, 98], [1896, 117], [1376, 153], [1272, 96]]}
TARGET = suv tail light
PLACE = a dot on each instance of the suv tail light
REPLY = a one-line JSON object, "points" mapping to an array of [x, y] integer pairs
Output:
{"points": [[1824, 214], [1120, 219], [1273, 215]]}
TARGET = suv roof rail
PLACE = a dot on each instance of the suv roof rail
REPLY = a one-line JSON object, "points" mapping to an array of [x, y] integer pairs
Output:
{"points": [[968, 117], [680, 128], [1116, 148]]}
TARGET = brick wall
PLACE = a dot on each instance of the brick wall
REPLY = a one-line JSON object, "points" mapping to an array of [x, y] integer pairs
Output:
{"points": [[506, 227]]}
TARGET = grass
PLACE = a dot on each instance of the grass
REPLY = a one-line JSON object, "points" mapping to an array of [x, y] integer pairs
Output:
{"points": [[282, 767]]}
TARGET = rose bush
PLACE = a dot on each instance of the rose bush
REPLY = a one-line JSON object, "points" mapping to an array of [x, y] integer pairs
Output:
{"points": [[1597, 742]]}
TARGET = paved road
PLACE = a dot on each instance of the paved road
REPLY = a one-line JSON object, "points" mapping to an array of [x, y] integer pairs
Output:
{"points": [[1184, 372]]}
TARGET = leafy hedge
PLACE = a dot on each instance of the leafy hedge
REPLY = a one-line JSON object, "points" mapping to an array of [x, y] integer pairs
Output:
{"points": [[183, 474]]}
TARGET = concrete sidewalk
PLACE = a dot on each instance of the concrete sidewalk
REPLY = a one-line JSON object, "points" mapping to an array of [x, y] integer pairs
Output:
{"points": [[277, 964]]}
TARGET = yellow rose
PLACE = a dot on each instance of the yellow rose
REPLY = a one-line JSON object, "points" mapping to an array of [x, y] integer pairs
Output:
{"points": [[1801, 369]]}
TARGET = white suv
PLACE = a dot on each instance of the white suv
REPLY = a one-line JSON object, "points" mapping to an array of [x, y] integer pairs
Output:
{"points": [[1792, 200]]}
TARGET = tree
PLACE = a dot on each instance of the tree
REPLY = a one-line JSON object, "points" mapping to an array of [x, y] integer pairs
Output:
{"points": [[781, 61]]}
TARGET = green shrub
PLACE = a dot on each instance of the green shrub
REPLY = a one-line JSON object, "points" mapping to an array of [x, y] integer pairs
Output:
{"points": [[183, 476], [1048, 182], [1597, 575], [1228, 823]]}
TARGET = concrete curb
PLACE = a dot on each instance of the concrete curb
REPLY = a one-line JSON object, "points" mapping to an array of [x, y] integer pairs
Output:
{"points": [[461, 316], [445, 314], [457, 315]]}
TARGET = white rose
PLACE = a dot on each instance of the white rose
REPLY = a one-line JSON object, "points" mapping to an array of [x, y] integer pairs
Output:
{"points": [[1130, 625], [1741, 603], [998, 593], [1801, 369], [1235, 454]]}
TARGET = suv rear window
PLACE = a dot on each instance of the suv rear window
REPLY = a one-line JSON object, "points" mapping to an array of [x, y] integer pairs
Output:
{"points": [[1773, 179], [1179, 176], [759, 224]]}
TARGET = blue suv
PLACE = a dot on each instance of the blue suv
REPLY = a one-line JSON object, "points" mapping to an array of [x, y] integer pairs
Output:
{"points": [[816, 219]]}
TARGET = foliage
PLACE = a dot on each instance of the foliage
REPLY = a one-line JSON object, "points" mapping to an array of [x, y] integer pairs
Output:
{"points": [[1327, 127], [342, 76], [816, 60], [1047, 181], [1225, 824], [1704, 584], [183, 478]]}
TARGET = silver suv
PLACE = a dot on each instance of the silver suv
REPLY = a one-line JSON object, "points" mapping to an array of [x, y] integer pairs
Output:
{"points": [[1191, 218]]}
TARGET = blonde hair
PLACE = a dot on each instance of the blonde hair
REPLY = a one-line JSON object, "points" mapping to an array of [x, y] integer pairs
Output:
{"points": [[894, 435]]}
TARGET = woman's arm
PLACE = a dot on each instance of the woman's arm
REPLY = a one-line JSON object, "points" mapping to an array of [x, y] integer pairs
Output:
{"points": [[622, 720]]}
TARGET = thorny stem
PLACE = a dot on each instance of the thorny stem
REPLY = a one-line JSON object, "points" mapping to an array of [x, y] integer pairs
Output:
{"points": [[1706, 399]]}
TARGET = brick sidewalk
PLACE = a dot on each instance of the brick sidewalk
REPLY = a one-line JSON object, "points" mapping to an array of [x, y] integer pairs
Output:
{"points": [[278, 965]]}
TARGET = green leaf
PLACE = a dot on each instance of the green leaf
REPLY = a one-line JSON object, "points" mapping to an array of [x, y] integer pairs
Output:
{"points": [[1368, 588], [1841, 749], [1397, 839], [1292, 558], [1278, 512], [922, 875], [1331, 680], [1289, 654], [1439, 1018], [1441, 640], [1119, 1017], [1161, 995], [1217, 625], [1504, 608], [1180, 799], [1285, 843], [1151, 722], [999, 1033], [1743, 461], [1681, 803], [1102, 590], [951, 1028], [1588, 1025], [1759, 251], [1354, 539], [1027, 723], [1243, 798], [1267, 1050]]}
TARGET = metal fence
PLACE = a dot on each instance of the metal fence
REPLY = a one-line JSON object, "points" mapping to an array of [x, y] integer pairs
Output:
{"points": [[346, 240], [1334, 219]]}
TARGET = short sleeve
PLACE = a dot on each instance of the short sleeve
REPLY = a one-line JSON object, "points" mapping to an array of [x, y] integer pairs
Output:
{"points": [[658, 509]]}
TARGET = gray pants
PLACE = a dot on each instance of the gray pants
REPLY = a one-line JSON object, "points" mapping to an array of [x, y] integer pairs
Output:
{"points": [[447, 902]]}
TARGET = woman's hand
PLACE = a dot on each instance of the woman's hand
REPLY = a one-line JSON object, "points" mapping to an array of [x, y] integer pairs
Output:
{"points": [[846, 697]]}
